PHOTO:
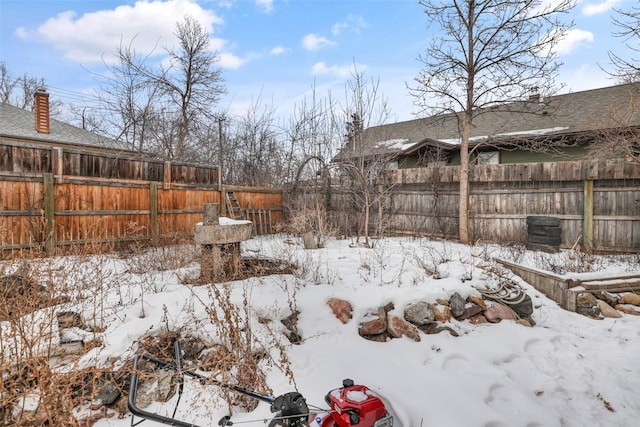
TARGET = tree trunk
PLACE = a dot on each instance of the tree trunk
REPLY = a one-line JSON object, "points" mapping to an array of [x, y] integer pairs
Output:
{"points": [[463, 205]]}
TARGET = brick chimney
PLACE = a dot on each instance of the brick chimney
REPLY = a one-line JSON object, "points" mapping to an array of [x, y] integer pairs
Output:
{"points": [[41, 104]]}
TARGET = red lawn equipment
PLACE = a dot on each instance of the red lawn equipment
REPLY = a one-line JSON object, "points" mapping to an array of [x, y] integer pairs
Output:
{"points": [[350, 405]]}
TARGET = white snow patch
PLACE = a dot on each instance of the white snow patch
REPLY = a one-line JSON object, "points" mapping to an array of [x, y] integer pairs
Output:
{"points": [[481, 138]]}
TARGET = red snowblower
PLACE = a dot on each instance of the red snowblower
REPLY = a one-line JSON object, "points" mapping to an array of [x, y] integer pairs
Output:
{"points": [[349, 405]]}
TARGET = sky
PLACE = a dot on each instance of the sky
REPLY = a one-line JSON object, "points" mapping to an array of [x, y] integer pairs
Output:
{"points": [[272, 52], [566, 371]]}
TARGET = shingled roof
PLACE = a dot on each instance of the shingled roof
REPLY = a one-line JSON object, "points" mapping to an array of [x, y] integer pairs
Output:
{"points": [[571, 113], [19, 124]]}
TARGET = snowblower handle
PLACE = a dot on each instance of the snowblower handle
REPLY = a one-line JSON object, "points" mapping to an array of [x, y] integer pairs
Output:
{"points": [[178, 366]]}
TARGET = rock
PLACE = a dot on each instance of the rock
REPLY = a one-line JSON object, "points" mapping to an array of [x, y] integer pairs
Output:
{"points": [[456, 304], [108, 393], [526, 321], [309, 241], [419, 313], [442, 301], [633, 299], [477, 319], [627, 310], [374, 326], [607, 310], [498, 312], [341, 309], [397, 327], [383, 337], [444, 315], [157, 386], [291, 322], [387, 307], [524, 308], [479, 301], [428, 328], [192, 347], [587, 305], [293, 337], [433, 328], [609, 298], [470, 312]]}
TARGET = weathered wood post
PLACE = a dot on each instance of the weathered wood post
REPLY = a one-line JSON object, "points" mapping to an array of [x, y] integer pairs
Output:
{"points": [[220, 245], [587, 217], [49, 215], [153, 212]]}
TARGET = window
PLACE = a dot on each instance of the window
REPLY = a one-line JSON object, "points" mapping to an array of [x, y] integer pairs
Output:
{"points": [[489, 158]]}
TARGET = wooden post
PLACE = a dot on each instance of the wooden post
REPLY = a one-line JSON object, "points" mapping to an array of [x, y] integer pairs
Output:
{"points": [[223, 200], [587, 218], [153, 212], [49, 215], [167, 175], [57, 163]]}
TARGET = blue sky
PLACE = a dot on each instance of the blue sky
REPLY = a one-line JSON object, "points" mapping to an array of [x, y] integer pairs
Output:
{"points": [[274, 51]]}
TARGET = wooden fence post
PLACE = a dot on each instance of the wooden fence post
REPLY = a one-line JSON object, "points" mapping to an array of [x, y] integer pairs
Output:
{"points": [[49, 215], [223, 200], [153, 212], [587, 218]]}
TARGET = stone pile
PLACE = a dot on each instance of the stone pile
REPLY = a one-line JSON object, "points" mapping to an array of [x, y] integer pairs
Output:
{"points": [[424, 317], [605, 304]]}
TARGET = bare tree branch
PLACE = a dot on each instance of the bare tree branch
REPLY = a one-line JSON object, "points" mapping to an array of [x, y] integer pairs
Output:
{"points": [[486, 53]]}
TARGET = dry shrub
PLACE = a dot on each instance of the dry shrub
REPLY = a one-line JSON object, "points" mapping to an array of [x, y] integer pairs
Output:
{"points": [[314, 220], [239, 356], [233, 324], [568, 262], [34, 301]]}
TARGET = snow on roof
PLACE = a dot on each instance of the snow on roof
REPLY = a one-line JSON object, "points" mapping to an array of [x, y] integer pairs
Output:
{"points": [[532, 132], [400, 144]]}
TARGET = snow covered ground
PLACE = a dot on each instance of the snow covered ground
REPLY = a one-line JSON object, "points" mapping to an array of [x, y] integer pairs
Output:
{"points": [[568, 370]]}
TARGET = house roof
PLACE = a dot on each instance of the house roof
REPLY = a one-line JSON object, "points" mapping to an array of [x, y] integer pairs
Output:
{"points": [[20, 124], [572, 113]]}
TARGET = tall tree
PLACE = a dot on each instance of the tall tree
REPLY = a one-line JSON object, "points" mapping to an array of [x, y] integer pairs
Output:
{"points": [[628, 22], [192, 81], [168, 106], [129, 100], [484, 53]]}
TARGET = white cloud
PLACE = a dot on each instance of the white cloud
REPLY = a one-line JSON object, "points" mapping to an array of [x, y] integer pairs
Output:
{"points": [[265, 5], [315, 42], [598, 8], [353, 23], [279, 50], [151, 24], [573, 39], [230, 61], [341, 71], [22, 33]]}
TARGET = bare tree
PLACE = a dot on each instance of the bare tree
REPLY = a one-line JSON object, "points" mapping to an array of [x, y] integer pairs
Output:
{"points": [[628, 21], [619, 134], [252, 148], [310, 139], [365, 107], [191, 81], [484, 53], [19, 91], [129, 100], [164, 108]]}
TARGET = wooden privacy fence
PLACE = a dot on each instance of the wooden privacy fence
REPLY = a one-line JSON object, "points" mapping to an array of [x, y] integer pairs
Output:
{"points": [[598, 202], [38, 211]]}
